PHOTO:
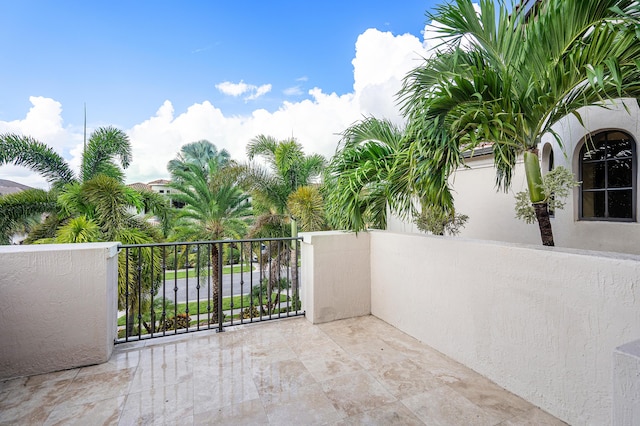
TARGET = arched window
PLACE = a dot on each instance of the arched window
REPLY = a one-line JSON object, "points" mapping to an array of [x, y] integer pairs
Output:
{"points": [[608, 175]]}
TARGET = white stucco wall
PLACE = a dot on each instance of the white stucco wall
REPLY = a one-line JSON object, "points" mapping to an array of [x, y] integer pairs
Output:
{"points": [[626, 384], [58, 306], [541, 322], [336, 280], [491, 213]]}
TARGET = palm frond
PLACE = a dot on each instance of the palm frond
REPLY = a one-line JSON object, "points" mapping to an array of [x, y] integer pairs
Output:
{"points": [[28, 152], [106, 146], [18, 208]]}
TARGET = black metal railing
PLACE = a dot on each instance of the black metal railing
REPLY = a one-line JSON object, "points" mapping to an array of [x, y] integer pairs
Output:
{"points": [[172, 288]]}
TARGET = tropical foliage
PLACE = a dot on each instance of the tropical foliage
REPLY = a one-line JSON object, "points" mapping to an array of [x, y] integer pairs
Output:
{"points": [[215, 207], [505, 79], [287, 169], [92, 206], [358, 181], [200, 153]]}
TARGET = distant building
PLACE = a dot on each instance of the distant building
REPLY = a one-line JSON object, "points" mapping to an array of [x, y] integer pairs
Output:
{"points": [[11, 187], [161, 186], [140, 186]]}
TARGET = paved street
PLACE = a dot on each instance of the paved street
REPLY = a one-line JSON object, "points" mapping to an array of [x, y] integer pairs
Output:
{"points": [[187, 288]]}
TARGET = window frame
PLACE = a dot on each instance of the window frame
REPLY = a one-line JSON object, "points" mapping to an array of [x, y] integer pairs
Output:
{"points": [[606, 189]]}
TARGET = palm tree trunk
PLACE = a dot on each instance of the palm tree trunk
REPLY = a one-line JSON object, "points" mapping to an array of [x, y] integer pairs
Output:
{"points": [[537, 197], [542, 214]]}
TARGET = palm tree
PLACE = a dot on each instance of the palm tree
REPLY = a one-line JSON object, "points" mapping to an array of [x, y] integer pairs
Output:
{"points": [[505, 79], [307, 206], [289, 170], [94, 206], [357, 183], [105, 146], [215, 207], [199, 153]]}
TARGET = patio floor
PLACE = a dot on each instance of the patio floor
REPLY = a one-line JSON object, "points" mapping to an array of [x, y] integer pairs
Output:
{"points": [[288, 372]]}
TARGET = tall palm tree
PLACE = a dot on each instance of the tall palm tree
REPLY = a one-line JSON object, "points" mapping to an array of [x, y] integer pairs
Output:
{"points": [[106, 146], [91, 206], [357, 183], [289, 170], [199, 153], [505, 79], [215, 207]]}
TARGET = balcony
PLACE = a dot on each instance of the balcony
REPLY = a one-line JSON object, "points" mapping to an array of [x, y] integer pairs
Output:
{"points": [[352, 371], [399, 328]]}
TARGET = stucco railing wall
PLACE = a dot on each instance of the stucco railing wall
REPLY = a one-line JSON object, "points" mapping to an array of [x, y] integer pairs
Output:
{"points": [[58, 306], [541, 322], [336, 280]]}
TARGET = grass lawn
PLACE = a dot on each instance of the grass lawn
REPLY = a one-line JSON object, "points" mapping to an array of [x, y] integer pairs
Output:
{"points": [[238, 301], [193, 272]]}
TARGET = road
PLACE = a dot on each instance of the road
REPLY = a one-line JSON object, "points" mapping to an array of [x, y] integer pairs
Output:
{"points": [[227, 280]]}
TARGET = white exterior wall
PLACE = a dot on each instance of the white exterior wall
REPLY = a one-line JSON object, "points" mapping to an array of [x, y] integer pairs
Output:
{"points": [[336, 281], [492, 215], [549, 324], [541, 322], [626, 384], [58, 306]]}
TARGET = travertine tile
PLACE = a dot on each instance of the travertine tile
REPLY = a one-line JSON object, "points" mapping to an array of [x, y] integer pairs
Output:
{"points": [[444, 406], [534, 417], [328, 363], [494, 399], [244, 413], [405, 378], [97, 387], [172, 404], [393, 414], [215, 389], [103, 412], [355, 371], [307, 405], [21, 403], [374, 353], [282, 376], [162, 370], [356, 393]]}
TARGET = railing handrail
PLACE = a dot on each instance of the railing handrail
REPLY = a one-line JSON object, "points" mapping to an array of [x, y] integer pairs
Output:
{"points": [[270, 292], [244, 240]]}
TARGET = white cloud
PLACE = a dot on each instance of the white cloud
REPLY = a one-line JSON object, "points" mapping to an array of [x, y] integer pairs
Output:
{"points": [[237, 89], [259, 91], [292, 91], [233, 89], [380, 63]]}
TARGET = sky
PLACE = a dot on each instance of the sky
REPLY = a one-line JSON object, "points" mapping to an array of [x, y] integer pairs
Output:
{"points": [[169, 73]]}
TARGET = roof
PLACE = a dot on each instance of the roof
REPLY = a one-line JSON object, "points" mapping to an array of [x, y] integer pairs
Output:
{"points": [[159, 182], [10, 187], [477, 152], [140, 186]]}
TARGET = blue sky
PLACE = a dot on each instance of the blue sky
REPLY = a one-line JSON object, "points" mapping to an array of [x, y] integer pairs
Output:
{"points": [[127, 59]]}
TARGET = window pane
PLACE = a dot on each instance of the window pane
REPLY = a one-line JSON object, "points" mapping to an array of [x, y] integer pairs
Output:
{"points": [[593, 150], [620, 204], [620, 173], [593, 175], [593, 204], [619, 146]]}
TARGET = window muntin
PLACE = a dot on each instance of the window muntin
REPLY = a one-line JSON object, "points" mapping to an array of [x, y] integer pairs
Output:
{"points": [[607, 172]]}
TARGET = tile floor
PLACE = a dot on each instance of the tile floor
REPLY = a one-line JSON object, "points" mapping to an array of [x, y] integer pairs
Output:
{"points": [[350, 372]]}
